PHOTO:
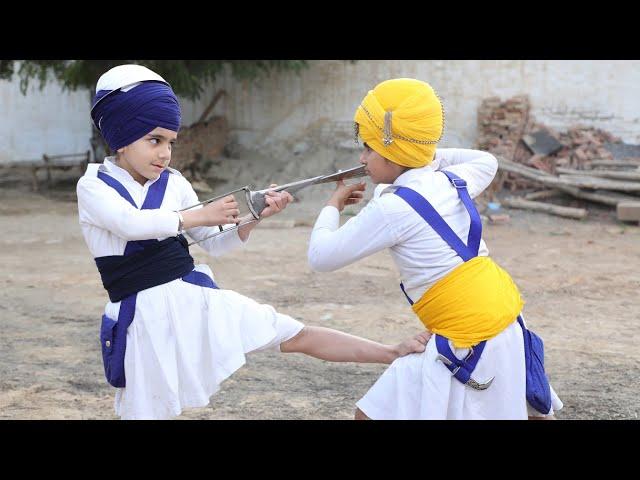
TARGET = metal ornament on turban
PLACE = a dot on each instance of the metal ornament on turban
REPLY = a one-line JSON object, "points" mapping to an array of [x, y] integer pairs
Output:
{"points": [[402, 120], [130, 102]]}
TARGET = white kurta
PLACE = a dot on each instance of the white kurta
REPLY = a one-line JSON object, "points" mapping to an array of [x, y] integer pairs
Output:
{"points": [[417, 386], [184, 339]]}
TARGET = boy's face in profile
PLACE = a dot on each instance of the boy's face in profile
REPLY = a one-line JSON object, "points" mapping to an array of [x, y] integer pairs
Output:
{"points": [[379, 169], [146, 158]]}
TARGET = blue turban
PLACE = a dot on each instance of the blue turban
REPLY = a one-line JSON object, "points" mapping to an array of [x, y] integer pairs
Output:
{"points": [[126, 116]]}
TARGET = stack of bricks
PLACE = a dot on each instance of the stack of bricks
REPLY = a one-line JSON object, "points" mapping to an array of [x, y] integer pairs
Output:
{"points": [[583, 144], [507, 129], [526, 157], [502, 124]]}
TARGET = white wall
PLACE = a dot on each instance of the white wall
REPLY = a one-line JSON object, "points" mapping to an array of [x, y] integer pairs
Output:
{"points": [[604, 94], [49, 121], [601, 93]]}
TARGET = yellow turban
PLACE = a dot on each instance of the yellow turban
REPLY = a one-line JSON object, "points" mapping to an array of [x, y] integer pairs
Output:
{"points": [[402, 119]]}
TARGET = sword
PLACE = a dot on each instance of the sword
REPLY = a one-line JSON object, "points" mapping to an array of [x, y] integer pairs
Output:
{"points": [[256, 199]]}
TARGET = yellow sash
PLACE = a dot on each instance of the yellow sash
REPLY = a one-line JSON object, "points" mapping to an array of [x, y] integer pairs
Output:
{"points": [[474, 302]]}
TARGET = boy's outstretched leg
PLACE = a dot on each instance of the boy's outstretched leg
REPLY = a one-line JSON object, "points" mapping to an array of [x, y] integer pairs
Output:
{"points": [[336, 346]]}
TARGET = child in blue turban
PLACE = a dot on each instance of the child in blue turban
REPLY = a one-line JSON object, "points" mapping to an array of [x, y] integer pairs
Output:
{"points": [[169, 334]]}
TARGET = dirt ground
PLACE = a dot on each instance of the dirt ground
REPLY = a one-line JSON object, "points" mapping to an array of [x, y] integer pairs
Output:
{"points": [[580, 280]]}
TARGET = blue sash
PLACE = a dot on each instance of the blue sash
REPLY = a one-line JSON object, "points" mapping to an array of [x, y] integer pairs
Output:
{"points": [[158, 263]]}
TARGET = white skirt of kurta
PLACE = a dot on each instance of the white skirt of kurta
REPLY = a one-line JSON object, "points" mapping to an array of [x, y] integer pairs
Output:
{"points": [[420, 387], [185, 340]]}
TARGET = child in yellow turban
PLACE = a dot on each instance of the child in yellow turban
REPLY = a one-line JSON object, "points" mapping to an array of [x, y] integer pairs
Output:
{"points": [[481, 362]]}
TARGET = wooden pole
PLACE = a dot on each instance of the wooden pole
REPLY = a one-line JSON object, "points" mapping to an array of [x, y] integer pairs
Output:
{"points": [[542, 194], [513, 202], [615, 174]]}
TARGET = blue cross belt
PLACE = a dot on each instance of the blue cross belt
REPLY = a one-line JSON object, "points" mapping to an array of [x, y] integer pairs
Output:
{"points": [[462, 369], [538, 390]]}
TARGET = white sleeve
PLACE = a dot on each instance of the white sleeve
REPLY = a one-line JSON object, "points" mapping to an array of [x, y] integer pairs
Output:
{"points": [[332, 247], [476, 167], [101, 206], [215, 246]]}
